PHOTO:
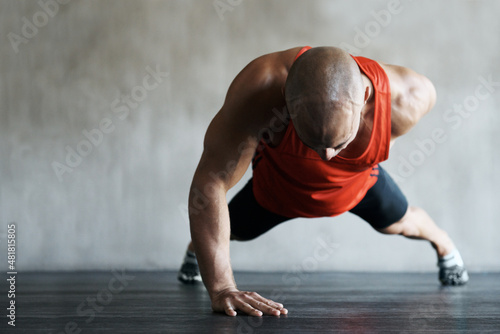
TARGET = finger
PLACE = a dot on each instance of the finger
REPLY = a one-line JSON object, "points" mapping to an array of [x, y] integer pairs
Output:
{"points": [[229, 310], [247, 308], [265, 305], [267, 309], [277, 306], [269, 302]]}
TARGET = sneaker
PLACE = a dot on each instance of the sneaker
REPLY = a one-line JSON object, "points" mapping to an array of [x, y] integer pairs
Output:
{"points": [[455, 275], [189, 272]]}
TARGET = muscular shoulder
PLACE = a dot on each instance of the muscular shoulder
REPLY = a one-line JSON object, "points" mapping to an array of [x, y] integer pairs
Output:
{"points": [[258, 88], [412, 94], [234, 133], [261, 76], [250, 100]]}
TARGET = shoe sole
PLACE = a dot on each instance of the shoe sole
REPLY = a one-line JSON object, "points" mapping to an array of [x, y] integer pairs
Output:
{"points": [[189, 280]]}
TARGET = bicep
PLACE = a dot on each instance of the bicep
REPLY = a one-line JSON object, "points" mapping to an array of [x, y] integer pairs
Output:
{"points": [[227, 153]]}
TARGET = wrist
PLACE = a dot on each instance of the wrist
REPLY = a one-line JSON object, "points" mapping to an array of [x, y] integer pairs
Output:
{"points": [[213, 293]]}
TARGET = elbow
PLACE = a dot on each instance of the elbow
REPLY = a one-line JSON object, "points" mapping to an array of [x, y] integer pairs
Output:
{"points": [[431, 95], [402, 127]]}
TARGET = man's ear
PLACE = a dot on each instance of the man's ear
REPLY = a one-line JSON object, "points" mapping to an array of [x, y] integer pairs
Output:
{"points": [[367, 93]]}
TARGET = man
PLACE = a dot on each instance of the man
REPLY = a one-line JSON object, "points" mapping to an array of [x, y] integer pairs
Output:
{"points": [[315, 123]]}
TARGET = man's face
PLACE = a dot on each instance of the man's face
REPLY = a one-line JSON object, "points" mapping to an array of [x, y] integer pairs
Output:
{"points": [[329, 136]]}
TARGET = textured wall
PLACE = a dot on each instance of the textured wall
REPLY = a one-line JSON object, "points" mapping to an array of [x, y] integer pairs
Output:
{"points": [[104, 106]]}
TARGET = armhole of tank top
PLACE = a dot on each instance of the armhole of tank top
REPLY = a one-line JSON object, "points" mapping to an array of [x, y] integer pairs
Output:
{"points": [[388, 121], [385, 115]]}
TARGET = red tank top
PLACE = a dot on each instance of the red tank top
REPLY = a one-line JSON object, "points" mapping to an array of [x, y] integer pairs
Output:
{"points": [[293, 181]]}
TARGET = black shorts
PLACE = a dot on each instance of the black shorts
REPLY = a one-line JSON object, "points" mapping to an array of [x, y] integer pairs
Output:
{"points": [[383, 205]]}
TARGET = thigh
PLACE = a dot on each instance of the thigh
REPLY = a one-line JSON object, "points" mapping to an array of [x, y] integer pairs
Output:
{"points": [[383, 204], [248, 219]]}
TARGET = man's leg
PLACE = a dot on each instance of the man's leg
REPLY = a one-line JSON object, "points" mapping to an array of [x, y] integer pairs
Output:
{"points": [[386, 209], [417, 224], [248, 221]]}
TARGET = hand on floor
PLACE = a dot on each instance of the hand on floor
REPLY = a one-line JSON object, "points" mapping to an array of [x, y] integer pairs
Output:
{"points": [[251, 303]]}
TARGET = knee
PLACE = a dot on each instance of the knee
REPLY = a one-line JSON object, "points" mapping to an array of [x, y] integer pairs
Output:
{"points": [[395, 228], [403, 226]]}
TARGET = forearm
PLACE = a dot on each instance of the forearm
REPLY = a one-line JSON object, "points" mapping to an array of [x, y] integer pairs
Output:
{"points": [[210, 233]]}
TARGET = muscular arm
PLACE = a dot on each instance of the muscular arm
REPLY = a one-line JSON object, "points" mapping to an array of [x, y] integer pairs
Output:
{"points": [[230, 142], [221, 166], [413, 96]]}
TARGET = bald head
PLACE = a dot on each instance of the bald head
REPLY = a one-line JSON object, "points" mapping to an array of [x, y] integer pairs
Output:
{"points": [[324, 93]]}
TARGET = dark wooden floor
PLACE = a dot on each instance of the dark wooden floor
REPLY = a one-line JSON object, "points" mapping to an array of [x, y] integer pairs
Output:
{"points": [[317, 303]]}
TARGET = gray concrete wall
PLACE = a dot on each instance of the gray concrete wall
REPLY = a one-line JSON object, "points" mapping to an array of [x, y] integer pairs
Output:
{"points": [[85, 71]]}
